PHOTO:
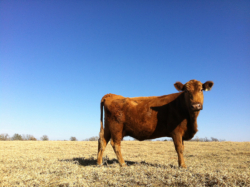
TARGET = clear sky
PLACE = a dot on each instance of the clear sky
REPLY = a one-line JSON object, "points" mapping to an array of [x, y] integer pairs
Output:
{"points": [[58, 58]]}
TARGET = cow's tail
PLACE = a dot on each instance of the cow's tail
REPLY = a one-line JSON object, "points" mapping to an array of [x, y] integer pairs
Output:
{"points": [[101, 135]]}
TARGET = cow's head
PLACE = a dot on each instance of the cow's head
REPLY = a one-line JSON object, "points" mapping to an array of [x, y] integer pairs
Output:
{"points": [[193, 91]]}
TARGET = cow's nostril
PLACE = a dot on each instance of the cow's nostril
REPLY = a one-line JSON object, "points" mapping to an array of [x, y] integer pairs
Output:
{"points": [[196, 106]]}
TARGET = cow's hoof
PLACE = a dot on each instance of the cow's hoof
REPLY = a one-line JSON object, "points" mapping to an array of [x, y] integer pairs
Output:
{"points": [[124, 165], [99, 165], [183, 166]]}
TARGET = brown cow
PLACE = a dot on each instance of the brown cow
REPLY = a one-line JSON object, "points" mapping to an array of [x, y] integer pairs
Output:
{"points": [[173, 115]]}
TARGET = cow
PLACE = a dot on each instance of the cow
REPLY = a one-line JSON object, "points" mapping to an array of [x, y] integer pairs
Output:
{"points": [[174, 115]]}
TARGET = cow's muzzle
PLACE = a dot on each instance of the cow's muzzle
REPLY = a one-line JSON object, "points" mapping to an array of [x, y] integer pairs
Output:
{"points": [[196, 106]]}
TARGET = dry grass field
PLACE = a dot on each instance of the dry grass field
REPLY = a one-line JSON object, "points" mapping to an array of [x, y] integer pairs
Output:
{"points": [[150, 163]]}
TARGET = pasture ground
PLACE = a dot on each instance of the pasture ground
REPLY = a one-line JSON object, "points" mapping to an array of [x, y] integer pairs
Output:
{"points": [[150, 163]]}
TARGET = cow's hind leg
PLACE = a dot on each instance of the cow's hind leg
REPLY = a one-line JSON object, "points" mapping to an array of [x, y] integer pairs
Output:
{"points": [[102, 143], [116, 144]]}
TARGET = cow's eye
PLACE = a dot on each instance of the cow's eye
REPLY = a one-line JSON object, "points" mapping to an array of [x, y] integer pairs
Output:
{"points": [[201, 90]]}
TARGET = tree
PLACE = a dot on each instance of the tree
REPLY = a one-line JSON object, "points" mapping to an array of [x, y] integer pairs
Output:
{"points": [[94, 138], [32, 138], [196, 139], [44, 138], [206, 139], [73, 138], [214, 139], [4, 137], [28, 137], [17, 137]]}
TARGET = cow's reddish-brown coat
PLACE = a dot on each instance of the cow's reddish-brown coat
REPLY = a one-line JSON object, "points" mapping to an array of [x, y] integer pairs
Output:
{"points": [[152, 117]]}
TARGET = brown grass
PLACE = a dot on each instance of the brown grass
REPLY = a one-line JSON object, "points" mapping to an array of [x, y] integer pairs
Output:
{"points": [[65, 163]]}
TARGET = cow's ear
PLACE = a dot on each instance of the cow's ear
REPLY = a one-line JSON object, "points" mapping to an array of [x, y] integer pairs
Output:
{"points": [[179, 86], [207, 85]]}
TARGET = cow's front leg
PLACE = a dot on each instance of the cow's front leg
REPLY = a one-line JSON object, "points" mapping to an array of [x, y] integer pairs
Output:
{"points": [[179, 147]]}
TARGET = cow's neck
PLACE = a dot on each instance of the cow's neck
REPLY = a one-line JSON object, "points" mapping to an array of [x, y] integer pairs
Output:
{"points": [[191, 117], [193, 126]]}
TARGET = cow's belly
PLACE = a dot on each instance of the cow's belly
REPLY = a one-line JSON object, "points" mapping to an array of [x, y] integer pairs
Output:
{"points": [[140, 130], [145, 133]]}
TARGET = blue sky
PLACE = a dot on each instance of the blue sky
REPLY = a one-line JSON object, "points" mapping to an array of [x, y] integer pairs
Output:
{"points": [[58, 58]]}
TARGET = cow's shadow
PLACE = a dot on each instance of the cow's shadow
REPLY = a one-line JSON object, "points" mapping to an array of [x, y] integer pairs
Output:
{"points": [[82, 161]]}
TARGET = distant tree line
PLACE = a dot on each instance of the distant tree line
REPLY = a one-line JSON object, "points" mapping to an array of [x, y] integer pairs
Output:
{"points": [[28, 137], [212, 139], [93, 138], [197, 139]]}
